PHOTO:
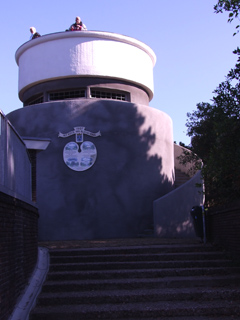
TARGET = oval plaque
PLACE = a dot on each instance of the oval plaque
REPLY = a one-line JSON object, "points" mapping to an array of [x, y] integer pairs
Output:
{"points": [[80, 160]]}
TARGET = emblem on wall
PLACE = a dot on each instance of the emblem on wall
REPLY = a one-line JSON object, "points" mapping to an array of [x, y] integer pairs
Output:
{"points": [[79, 155]]}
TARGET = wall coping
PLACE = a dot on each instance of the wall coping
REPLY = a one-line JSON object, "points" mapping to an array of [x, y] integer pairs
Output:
{"points": [[12, 127], [86, 34], [17, 196]]}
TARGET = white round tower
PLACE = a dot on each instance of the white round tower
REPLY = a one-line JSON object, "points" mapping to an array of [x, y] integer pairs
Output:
{"points": [[79, 55], [110, 155]]}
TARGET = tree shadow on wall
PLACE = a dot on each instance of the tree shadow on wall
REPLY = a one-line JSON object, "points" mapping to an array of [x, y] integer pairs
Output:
{"points": [[128, 174], [114, 198]]}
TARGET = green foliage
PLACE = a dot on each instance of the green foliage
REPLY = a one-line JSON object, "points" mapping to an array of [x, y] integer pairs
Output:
{"points": [[188, 157], [231, 6], [215, 132]]}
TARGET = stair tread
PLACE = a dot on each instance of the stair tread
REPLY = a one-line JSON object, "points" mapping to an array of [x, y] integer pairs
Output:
{"points": [[203, 292], [149, 306], [185, 317], [148, 272], [216, 261], [129, 265], [149, 254], [132, 248], [148, 280], [140, 256]]}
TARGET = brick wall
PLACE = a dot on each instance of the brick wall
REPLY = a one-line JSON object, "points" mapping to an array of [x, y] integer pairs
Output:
{"points": [[18, 249], [223, 229]]}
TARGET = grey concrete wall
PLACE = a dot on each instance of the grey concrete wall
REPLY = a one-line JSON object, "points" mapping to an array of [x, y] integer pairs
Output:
{"points": [[113, 198], [172, 216], [15, 166]]}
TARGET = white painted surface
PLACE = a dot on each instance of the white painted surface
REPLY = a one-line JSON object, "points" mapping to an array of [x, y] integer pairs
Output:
{"points": [[36, 144], [27, 300], [85, 53], [15, 165]]}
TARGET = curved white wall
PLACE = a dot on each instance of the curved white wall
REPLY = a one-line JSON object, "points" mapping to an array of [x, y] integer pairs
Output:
{"points": [[85, 53]]}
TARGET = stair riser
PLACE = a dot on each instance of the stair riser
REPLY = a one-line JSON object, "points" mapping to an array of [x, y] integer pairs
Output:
{"points": [[126, 314], [140, 265], [139, 285], [129, 274], [133, 250], [132, 298], [136, 258]]}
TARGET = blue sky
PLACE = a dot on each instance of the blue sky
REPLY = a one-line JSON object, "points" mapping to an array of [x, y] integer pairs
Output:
{"points": [[193, 45]]}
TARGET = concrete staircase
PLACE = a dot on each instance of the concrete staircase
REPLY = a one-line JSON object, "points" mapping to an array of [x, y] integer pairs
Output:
{"points": [[180, 178], [178, 280]]}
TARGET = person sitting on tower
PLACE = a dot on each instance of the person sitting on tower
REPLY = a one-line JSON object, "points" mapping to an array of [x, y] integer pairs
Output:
{"points": [[34, 33], [78, 25]]}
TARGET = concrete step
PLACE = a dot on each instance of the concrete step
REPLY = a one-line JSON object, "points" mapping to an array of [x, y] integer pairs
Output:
{"points": [[170, 281], [143, 295], [191, 317], [140, 273], [164, 248], [154, 310], [136, 257], [138, 283], [130, 265]]}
